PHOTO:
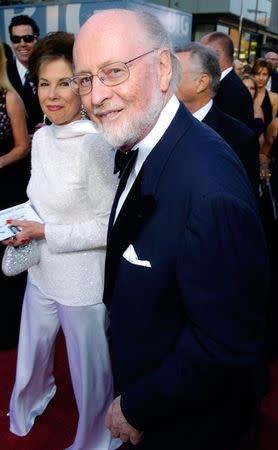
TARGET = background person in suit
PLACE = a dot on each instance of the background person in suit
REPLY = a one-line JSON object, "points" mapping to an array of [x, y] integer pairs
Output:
{"points": [[199, 84], [232, 96], [238, 67], [24, 33], [272, 84], [186, 264]]}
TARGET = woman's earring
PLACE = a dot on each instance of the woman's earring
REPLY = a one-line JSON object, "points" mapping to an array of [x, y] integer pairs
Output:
{"points": [[44, 119], [83, 113]]}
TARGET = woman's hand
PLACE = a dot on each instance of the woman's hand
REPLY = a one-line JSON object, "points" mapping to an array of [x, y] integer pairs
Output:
{"points": [[28, 230]]}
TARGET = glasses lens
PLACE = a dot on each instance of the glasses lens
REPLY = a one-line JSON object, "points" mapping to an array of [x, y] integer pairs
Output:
{"points": [[113, 74], [26, 38], [15, 39], [110, 75], [81, 84], [29, 38]]}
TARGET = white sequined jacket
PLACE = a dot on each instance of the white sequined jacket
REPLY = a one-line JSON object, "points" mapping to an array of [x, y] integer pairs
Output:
{"points": [[72, 187]]}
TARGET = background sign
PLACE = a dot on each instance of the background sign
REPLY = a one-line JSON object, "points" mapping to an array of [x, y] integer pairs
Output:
{"points": [[70, 16]]}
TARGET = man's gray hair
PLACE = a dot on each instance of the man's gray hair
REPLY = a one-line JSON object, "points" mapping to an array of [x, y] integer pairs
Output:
{"points": [[204, 60], [159, 38]]}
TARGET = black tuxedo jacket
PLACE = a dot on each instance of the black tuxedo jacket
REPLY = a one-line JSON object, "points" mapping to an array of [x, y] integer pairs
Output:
{"points": [[187, 302], [234, 99], [242, 140], [274, 82], [30, 100]]}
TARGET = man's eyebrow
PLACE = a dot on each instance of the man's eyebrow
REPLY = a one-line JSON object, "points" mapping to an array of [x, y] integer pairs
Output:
{"points": [[100, 66], [83, 72]]}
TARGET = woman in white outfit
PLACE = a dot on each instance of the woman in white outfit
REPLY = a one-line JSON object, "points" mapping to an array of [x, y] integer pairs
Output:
{"points": [[71, 188]]}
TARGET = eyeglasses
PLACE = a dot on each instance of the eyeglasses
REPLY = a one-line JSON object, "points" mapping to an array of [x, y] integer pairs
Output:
{"points": [[27, 38], [110, 75]]}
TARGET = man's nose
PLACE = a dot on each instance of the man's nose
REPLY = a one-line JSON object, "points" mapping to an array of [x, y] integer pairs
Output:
{"points": [[100, 91]]}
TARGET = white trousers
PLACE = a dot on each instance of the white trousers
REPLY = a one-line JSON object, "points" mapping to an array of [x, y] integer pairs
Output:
{"points": [[84, 328]]}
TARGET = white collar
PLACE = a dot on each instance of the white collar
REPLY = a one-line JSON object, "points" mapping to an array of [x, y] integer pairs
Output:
{"points": [[225, 72], [202, 112], [149, 142], [21, 70], [73, 129]]}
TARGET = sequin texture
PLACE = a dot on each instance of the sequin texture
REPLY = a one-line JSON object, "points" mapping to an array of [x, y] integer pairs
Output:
{"points": [[72, 187], [19, 259]]}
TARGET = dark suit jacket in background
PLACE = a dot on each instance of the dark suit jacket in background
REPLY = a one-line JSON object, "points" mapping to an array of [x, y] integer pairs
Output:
{"points": [[187, 333], [274, 82], [234, 99], [242, 140], [30, 100]]}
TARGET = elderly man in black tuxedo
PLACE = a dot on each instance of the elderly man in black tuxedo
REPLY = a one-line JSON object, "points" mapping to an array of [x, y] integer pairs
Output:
{"points": [[24, 33], [198, 87], [186, 264], [232, 96]]}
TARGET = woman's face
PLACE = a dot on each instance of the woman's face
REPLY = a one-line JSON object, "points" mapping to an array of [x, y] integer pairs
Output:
{"points": [[250, 86], [262, 77], [57, 100]]}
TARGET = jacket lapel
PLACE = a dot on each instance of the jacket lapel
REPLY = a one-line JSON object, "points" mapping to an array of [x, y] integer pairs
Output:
{"points": [[135, 212]]}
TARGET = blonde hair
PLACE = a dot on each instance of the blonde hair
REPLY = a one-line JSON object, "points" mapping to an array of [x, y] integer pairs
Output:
{"points": [[247, 76], [4, 80]]}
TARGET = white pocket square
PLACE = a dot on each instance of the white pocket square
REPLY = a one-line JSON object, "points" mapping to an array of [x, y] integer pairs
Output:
{"points": [[130, 255]]}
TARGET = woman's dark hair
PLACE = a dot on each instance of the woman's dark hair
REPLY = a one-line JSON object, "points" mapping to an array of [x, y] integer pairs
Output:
{"points": [[24, 20], [259, 64], [53, 46]]}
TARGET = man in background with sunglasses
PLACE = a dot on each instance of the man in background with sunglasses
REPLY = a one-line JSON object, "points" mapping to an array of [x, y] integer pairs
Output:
{"points": [[24, 33]]}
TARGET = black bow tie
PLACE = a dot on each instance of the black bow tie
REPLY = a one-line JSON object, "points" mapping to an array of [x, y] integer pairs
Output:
{"points": [[122, 160]]}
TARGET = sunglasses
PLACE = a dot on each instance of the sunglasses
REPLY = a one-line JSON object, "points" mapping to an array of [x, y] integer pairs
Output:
{"points": [[27, 38]]}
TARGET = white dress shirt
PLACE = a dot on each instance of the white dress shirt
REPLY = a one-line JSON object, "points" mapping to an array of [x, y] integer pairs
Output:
{"points": [[202, 112], [21, 70], [225, 72]]}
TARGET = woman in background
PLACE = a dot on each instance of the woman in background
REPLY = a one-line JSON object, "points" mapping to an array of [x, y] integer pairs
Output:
{"points": [[72, 189], [267, 100], [14, 146], [252, 86], [14, 140]]}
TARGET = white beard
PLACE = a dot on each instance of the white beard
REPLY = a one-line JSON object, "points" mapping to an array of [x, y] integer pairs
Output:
{"points": [[134, 130]]}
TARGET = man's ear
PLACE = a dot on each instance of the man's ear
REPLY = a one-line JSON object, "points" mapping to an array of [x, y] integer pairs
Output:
{"points": [[203, 82], [165, 67]]}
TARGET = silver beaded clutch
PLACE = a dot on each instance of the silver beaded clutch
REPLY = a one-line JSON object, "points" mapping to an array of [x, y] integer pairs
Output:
{"points": [[18, 259]]}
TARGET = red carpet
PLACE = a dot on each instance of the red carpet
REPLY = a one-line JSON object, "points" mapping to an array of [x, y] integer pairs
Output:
{"points": [[55, 429]]}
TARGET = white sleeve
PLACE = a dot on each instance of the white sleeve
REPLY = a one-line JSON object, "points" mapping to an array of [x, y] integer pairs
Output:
{"points": [[101, 185]]}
